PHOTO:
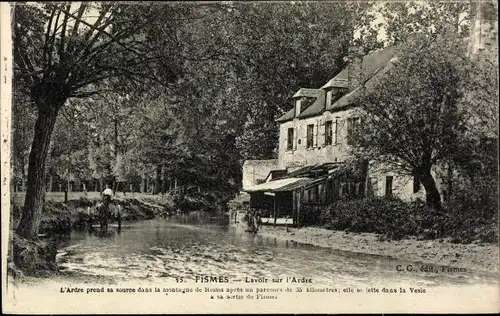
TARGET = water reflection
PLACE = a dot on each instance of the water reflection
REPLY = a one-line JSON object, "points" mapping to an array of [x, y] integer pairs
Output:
{"points": [[191, 246]]}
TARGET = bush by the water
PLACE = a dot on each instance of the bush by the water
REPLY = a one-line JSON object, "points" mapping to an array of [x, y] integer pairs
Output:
{"points": [[396, 219], [201, 201]]}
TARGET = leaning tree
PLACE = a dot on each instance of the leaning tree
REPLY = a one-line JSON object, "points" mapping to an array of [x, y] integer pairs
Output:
{"points": [[414, 113], [68, 50]]}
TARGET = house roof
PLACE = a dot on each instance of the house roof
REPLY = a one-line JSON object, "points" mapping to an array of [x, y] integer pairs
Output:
{"points": [[276, 174], [369, 83], [317, 107], [279, 185], [306, 92], [288, 116], [318, 169], [374, 63], [369, 65], [336, 83], [302, 177], [299, 184]]}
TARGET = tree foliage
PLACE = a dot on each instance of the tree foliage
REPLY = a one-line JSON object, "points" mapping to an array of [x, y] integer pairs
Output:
{"points": [[402, 20], [62, 53], [412, 115]]}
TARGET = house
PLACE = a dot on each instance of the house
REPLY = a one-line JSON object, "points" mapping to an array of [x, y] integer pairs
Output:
{"points": [[315, 152], [314, 145]]}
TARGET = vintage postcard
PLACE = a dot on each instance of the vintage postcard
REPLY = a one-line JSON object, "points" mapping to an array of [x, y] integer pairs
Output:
{"points": [[250, 157]]}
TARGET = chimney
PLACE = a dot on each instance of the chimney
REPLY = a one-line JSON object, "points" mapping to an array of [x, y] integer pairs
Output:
{"points": [[354, 70]]}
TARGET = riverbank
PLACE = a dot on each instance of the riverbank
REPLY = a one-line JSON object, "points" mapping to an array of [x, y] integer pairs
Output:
{"points": [[58, 219], [476, 256]]}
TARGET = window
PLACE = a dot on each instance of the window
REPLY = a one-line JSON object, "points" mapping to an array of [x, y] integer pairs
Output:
{"points": [[352, 125], [388, 186], [328, 133], [289, 145], [310, 135], [336, 95], [416, 184]]}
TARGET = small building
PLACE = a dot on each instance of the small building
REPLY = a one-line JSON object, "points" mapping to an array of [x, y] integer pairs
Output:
{"points": [[302, 193]]}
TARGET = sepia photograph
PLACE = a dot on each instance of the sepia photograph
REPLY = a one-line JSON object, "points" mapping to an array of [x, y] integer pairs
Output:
{"points": [[250, 157]]}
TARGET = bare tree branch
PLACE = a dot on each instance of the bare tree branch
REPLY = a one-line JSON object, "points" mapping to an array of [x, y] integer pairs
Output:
{"points": [[81, 10]]}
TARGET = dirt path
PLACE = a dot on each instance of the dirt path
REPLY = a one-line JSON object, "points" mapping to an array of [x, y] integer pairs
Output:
{"points": [[480, 257]]}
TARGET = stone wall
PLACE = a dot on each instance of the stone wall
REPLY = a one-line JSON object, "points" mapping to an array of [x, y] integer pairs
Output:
{"points": [[319, 153], [255, 171]]}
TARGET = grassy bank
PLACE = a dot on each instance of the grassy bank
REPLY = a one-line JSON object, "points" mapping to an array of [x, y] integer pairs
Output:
{"points": [[60, 218], [394, 219]]}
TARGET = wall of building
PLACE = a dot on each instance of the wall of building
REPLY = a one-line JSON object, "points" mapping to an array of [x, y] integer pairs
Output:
{"points": [[302, 156], [320, 153], [257, 170], [403, 185], [484, 28]]}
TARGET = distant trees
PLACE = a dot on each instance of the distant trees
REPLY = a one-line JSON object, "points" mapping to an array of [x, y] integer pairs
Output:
{"points": [[403, 19], [23, 117], [277, 49]]}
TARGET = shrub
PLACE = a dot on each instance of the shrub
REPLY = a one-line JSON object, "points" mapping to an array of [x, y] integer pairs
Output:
{"points": [[396, 219]]}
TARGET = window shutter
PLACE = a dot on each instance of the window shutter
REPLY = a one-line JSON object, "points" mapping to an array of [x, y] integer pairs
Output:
{"points": [[295, 132], [286, 139], [315, 134], [322, 124], [305, 135], [338, 128]]}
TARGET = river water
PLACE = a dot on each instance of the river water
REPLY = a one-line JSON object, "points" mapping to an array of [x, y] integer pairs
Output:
{"points": [[162, 249]]}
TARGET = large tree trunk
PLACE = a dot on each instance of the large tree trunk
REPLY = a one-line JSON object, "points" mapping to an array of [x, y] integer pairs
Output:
{"points": [[30, 218], [432, 195]]}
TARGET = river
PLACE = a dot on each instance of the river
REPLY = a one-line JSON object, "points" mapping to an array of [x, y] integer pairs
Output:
{"points": [[180, 249]]}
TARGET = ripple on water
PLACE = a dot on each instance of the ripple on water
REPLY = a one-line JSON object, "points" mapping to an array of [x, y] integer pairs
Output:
{"points": [[160, 249]]}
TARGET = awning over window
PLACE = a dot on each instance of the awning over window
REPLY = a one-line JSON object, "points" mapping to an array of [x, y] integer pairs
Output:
{"points": [[281, 185]]}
